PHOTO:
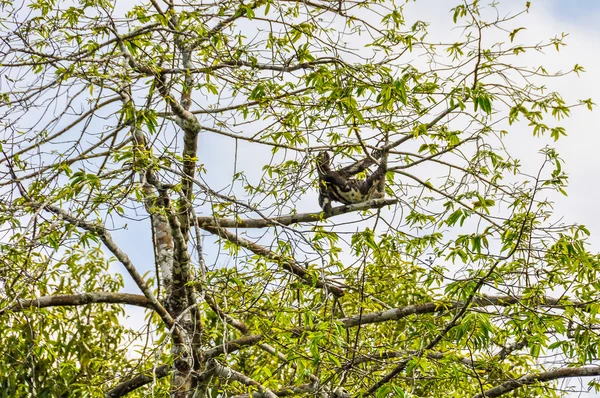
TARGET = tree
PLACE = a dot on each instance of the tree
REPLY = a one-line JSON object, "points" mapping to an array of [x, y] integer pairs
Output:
{"points": [[186, 134]]}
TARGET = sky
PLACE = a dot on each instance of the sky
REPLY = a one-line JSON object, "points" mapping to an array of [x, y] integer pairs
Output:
{"points": [[581, 11]]}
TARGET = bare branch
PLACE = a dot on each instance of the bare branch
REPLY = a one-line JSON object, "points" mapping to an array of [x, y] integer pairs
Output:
{"points": [[240, 63], [295, 218], [67, 300], [583, 371]]}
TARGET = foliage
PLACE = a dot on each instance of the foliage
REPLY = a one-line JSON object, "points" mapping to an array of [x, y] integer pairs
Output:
{"points": [[185, 135]]}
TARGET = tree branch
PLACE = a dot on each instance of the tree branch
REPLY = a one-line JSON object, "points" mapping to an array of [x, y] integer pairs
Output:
{"points": [[106, 238], [240, 12], [241, 63], [138, 381], [293, 218], [242, 327], [540, 377], [232, 345], [368, 161], [163, 370], [286, 263], [227, 373], [401, 354], [433, 307], [68, 300], [123, 258]]}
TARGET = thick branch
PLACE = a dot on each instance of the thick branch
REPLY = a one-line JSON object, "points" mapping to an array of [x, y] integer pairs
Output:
{"points": [[540, 377], [293, 218], [190, 146], [481, 363], [67, 300], [138, 381], [241, 63], [433, 307], [509, 349]]}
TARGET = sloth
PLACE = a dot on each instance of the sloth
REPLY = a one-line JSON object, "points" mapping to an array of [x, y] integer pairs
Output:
{"points": [[341, 187]]}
